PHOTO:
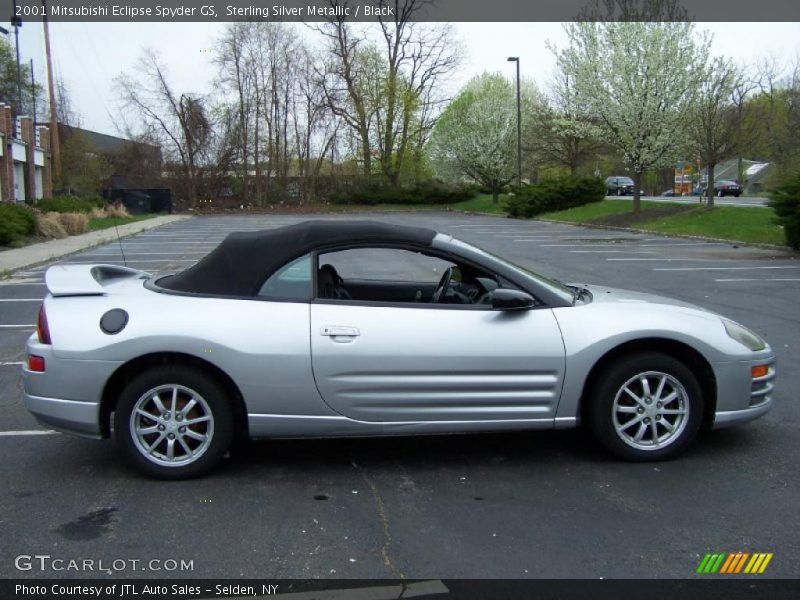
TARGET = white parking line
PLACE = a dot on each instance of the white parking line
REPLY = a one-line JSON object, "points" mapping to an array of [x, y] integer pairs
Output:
{"points": [[522, 234], [149, 244], [32, 326], [722, 268], [609, 252], [27, 432], [11, 364], [129, 254], [749, 279], [149, 260], [22, 283], [20, 299]]}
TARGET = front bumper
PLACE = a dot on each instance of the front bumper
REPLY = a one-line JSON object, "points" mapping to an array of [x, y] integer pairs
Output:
{"points": [[740, 398]]}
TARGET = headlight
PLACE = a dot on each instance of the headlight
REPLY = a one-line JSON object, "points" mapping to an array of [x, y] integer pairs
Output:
{"points": [[744, 336]]}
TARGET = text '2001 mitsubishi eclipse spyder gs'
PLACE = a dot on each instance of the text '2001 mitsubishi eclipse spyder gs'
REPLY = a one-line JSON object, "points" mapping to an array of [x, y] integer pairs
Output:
{"points": [[341, 328]]}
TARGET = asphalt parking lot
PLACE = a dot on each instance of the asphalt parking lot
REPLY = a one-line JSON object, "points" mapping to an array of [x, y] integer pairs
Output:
{"points": [[543, 504]]}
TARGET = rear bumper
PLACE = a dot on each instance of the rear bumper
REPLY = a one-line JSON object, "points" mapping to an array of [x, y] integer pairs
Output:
{"points": [[67, 395], [69, 416]]}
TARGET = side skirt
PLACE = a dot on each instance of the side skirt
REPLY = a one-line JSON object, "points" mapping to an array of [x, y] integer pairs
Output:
{"points": [[276, 426]]}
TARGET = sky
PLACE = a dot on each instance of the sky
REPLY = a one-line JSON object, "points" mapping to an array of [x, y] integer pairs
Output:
{"points": [[88, 56]]}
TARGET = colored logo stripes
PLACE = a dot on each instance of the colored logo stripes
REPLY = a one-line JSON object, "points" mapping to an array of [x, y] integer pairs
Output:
{"points": [[735, 562]]}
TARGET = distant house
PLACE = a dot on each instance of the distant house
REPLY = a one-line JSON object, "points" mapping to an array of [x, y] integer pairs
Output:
{"points": [[753, 178]]}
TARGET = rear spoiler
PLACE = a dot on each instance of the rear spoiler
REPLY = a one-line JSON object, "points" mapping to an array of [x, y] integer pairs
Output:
{"points": [[86, 280]]}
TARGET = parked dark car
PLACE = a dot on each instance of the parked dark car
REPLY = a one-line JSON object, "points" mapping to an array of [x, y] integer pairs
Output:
{"points": [[619, 186], [726, 187]]}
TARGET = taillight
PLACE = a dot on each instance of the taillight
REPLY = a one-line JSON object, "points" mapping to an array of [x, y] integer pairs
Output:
{"points": [[35, 363], [42, 329]]}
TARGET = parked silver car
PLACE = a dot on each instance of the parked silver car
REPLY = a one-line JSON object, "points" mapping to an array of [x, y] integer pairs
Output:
{"points": [[341, 328]]}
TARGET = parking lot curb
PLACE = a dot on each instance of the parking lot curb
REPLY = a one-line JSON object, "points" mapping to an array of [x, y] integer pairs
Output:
{"points": [[786, 249], [20, 258]]}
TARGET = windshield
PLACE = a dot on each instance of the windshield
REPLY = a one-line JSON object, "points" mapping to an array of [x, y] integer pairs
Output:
{"points": [[556, 287]]}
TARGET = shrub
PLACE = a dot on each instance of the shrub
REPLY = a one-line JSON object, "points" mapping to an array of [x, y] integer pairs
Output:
{"points": [[786, 202], [74, 223], [428, 192], [554, 195], [49, 226], [68, 204], [16, 222]]}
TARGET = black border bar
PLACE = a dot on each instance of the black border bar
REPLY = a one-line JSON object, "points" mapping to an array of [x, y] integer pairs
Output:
{"points": [[729, 588], [427, 10]]}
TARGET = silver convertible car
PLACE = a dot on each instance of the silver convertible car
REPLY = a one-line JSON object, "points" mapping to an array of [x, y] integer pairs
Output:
{"points": [[353, 328]]}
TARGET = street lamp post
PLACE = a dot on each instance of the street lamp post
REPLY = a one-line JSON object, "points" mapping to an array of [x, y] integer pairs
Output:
{"points": [[515, 59], [16, 22]]}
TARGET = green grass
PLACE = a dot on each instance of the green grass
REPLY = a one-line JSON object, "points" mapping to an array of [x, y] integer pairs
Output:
{"points": [[735, 223], [106, 222], [753, 225], [597, 210], [481, 204]]}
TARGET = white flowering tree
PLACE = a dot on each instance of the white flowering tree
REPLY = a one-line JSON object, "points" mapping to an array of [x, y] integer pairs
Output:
{"points": [[475, 137], [638, 81]]}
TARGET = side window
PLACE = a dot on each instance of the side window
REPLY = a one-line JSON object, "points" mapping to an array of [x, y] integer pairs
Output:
{"points": [[400, 276], [290, 282], [385, 264]]}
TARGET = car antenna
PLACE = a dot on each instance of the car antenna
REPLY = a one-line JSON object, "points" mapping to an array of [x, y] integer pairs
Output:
{"points": [[119, 239]]}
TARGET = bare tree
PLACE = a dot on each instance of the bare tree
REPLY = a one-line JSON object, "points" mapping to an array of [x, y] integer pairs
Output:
{"points": [[180, 121], [236, 76], [344, 82], [417, 58], [714, 123], [559, 133], [774, 112]]}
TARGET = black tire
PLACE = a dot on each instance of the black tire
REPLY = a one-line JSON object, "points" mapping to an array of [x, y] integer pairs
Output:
{"points": [[605, 411], [190, 384]]}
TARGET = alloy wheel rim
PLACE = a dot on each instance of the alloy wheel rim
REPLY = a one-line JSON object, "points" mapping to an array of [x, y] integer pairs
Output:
{"points": [[651, 410], [172, 425]]}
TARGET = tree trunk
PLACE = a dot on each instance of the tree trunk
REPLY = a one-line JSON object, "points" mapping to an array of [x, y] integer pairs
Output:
{"points": [[637, 188], [366, 152], [710, 185], [495, 195]]}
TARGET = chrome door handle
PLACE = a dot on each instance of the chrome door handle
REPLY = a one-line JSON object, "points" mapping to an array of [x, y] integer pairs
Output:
{"points": [[339, 331]]}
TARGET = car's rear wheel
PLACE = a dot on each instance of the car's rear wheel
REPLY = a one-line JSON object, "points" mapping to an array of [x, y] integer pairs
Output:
{"points": [[646, 407], [173, 422]]}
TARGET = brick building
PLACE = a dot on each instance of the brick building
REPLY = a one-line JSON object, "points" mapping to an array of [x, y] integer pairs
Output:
{"points": [[25, 160]]}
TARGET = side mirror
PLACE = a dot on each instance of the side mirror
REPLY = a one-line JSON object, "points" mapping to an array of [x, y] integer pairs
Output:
{"points": [[504, 299]]}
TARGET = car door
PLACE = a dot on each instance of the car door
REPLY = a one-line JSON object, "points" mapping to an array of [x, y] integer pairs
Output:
{"points": [[391, 362]]}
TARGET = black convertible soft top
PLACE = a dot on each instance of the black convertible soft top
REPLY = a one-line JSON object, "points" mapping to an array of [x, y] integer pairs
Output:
{"points": [[244, 260]]}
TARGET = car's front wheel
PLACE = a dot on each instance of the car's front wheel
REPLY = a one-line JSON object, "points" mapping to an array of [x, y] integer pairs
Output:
{"points": [[646, 407], [173, 422]]}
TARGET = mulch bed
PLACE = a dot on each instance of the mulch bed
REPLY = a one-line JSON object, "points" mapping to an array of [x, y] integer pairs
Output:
{"points": [[630, 219]]}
